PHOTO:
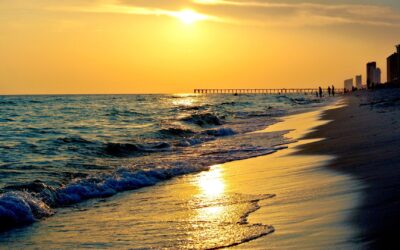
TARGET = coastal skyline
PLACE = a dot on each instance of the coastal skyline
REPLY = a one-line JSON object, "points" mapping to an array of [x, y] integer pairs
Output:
{"points": [[72, 47]]}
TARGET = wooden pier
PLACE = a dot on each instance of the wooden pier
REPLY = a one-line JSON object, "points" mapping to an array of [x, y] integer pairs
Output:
{"points": [[263, 91]]}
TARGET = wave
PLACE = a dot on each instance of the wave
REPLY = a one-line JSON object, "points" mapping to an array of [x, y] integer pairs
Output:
{"points": [[72, 139], [36, 200], [187, 133], [111, 148], [220, 132], [35, 101], [25, 204], [191, 142], [304, 101], [299, 100], [174, 131], [129, 149], [228, 103], [21, 208], [122, 179], [204, 119], [195, 108], [7, 103], [123, 113], [6, 120]]}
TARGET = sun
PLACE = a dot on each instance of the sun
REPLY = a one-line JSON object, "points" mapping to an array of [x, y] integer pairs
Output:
{"points": [[188, 16]]}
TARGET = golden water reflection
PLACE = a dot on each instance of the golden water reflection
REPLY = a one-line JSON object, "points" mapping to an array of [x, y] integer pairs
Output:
{"points": [[211, 184], [219, 216], [184, 100]]}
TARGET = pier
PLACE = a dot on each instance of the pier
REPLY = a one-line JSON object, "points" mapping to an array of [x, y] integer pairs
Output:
{"points": [[263, 91]]}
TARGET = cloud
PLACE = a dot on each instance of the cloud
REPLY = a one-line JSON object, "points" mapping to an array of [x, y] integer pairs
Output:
{"points": [[268, 13], [143, 8], [138, 10], [271, 13], [261, 13]]}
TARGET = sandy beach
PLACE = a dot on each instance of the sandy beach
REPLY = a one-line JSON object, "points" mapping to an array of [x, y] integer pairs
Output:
{"points": [[362, 139], [365, 138], [326, 191]]}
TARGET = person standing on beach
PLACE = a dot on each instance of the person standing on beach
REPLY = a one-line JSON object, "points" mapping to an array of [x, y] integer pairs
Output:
{"points": [[333, 90], [329, 90], [320, 92]]}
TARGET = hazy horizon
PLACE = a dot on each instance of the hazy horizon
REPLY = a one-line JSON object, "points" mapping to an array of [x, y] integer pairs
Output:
{"points": [[136, 46]]}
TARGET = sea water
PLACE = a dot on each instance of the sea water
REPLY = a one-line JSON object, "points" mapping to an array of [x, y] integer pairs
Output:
{"points": [[56, 151]]}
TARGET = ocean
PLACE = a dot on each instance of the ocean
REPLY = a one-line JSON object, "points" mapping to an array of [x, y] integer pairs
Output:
{"points": [[58, 151]]}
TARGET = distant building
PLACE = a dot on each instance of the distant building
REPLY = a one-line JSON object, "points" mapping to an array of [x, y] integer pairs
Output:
{"points": [[377, 76], [348, 85], [393, 67], [371, 69], [373, 75], [398, 63], [359, 82]]}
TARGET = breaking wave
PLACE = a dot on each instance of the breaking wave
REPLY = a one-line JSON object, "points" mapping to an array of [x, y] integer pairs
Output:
{"points": [[27, 203], [127, 149], [204, 119], [21, 208], [177, 132]]}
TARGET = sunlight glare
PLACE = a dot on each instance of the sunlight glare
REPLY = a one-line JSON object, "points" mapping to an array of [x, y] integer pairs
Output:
{"points": [[211, 183], [188, 16]]}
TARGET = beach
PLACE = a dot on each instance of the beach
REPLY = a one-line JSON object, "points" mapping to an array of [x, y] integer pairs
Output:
{"points": [[334, 187], [199, 124], [365, 138]]}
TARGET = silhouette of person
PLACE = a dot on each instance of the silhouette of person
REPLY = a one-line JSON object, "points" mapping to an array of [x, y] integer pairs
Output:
{"points": [[333, 90], [329, 90], [320, 92]]}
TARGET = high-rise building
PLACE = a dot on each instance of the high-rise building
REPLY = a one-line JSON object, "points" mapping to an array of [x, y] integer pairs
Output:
{"points": [[392, 68], [377, 77], [398, 62], [348, 85], [371, 70], [359, 82]]}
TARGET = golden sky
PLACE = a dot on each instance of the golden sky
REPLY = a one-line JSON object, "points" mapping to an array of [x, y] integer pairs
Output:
{"points": [[168, 46]]}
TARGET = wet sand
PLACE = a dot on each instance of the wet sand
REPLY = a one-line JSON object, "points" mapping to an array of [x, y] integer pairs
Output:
{"points": [[313, 204], [365, 137]]}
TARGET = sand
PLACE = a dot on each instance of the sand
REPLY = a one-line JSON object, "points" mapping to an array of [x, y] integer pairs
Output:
{"points": [[365, 137]]}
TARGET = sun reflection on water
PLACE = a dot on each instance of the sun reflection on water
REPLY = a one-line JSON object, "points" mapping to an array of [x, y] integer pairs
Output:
{"points": [[211, 184], [184, 100], [219, 216]]}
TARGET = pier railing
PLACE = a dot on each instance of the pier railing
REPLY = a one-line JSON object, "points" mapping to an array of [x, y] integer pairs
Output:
{"points": [[263, 91]]}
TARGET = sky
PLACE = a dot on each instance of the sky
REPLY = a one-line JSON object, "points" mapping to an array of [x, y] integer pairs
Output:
{"points": [[174, 46]]}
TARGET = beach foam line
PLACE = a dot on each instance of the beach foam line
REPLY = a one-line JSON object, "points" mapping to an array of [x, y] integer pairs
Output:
{"points": [[37, 200]]}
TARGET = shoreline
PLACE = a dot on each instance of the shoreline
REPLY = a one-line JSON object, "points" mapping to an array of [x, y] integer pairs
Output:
{"points": [[367, 132], [313, 204]]}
